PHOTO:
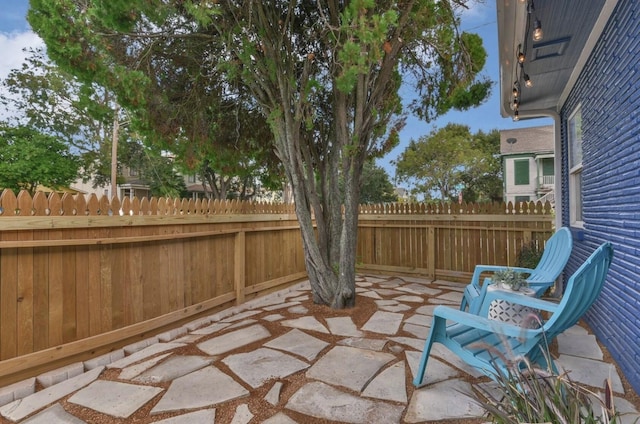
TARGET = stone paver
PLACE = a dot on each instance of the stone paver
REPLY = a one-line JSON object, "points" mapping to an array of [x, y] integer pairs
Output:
{"points": [[414, 343], [273, 395], [260, 365], [18, 390], [172, 368], [54, 414], [299, 309], [306, 323], [370, 294], [384, 322], [279, 418], [213, 328], [420, 289], [445, 354], [133, 371], [590, 371], [343, 326], [114, 398], [417, 330], [324, 401], [147, 352], [206, 387], [389, 384], [426, 310], [281, 306], [364, 343], [234, 340], [242, 315], [56, 376], [419, 319], [273, 317], [299, 343], [436, 370], [442, 401], [21, 408], [583, 345], [349, 367], [450, 297], [409, 298], [242, 415]]}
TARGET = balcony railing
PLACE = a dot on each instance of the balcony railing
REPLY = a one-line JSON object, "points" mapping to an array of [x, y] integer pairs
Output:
{"points": [[547, 180]]}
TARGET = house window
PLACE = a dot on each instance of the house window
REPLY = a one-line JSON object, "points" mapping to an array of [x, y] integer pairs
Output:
{"points": [[521, 171], [191, 178], [133, 172], [574, 125], [520, 199]]}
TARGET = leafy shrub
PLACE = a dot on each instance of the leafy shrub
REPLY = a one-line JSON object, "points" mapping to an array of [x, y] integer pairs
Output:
{"points": [[529, 394], [529, 255]]}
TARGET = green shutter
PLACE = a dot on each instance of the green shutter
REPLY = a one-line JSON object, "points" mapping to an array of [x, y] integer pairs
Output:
{"points": [[547, 167], [521, 170]]}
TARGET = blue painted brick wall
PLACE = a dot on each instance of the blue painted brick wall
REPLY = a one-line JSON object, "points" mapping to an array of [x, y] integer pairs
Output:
{"points": [[608, 91]]}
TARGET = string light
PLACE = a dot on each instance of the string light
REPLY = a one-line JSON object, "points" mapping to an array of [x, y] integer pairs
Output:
{"points": [[537, 30], [521, 56]]}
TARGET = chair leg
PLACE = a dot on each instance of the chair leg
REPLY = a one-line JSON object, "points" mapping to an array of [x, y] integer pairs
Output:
{"points": [[463, 304], [417, 380], [438, 329]]}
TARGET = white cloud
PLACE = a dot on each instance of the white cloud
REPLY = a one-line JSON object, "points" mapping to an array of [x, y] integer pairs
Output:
{"points": [[12, 45]]}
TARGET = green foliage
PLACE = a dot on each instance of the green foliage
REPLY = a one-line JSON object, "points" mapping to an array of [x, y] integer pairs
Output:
{"points": [[529, 394], [529, 255], [375, 186], [511, 278], [435, 163], [29, 158], [482, 179]]}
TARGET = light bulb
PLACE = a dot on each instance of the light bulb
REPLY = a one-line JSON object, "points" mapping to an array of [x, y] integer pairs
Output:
{"points": [[527, 81], [537, 30]]}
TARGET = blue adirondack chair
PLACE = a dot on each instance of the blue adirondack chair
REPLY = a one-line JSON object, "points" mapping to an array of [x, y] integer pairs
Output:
{"points": [[484, 343], [554, 258]]}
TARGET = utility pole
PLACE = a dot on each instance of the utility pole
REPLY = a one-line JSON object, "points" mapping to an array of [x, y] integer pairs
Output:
{"points": [[114, 152]]}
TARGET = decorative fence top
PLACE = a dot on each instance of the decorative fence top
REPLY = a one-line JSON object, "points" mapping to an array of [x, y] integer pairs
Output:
{"points": [[52, 204]]}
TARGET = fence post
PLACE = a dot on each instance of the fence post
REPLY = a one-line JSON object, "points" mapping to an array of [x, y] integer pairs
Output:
{"points": [[239, 267], [431, 252]]}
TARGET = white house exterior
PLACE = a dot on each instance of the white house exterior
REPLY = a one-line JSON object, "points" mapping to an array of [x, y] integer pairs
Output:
{"points": [[528, 163]]}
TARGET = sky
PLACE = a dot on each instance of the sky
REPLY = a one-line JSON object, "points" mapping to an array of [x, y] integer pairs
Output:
{"points": [[15, 34]]}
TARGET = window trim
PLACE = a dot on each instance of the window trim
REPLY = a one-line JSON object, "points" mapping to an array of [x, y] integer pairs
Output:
{"points": [[575, 172]]}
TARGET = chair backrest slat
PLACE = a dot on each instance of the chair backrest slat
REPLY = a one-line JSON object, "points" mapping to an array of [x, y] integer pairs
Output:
{"points": [[582, 290]]}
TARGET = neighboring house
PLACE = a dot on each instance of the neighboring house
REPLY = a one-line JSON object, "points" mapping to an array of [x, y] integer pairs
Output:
{"points": [[130, 186], [195, 187], [527, 163], [585, 77]]}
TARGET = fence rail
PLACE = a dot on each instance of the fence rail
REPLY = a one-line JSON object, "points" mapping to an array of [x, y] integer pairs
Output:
{"points": [[78, 280]]}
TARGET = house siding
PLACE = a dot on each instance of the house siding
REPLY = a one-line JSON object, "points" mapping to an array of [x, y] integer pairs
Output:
{"points": [[608, 91]]}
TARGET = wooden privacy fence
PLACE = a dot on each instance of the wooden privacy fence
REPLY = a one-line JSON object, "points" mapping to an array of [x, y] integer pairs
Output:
{"points": [[446, 241], [79, 278]]}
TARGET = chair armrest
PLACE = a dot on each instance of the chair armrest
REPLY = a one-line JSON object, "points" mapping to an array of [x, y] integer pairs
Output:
{"points": [[482, 323], [520, 299], [479, 269]]}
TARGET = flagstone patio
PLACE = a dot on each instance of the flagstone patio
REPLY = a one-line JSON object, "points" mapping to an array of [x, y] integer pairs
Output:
{"points": [[282, 359]]}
